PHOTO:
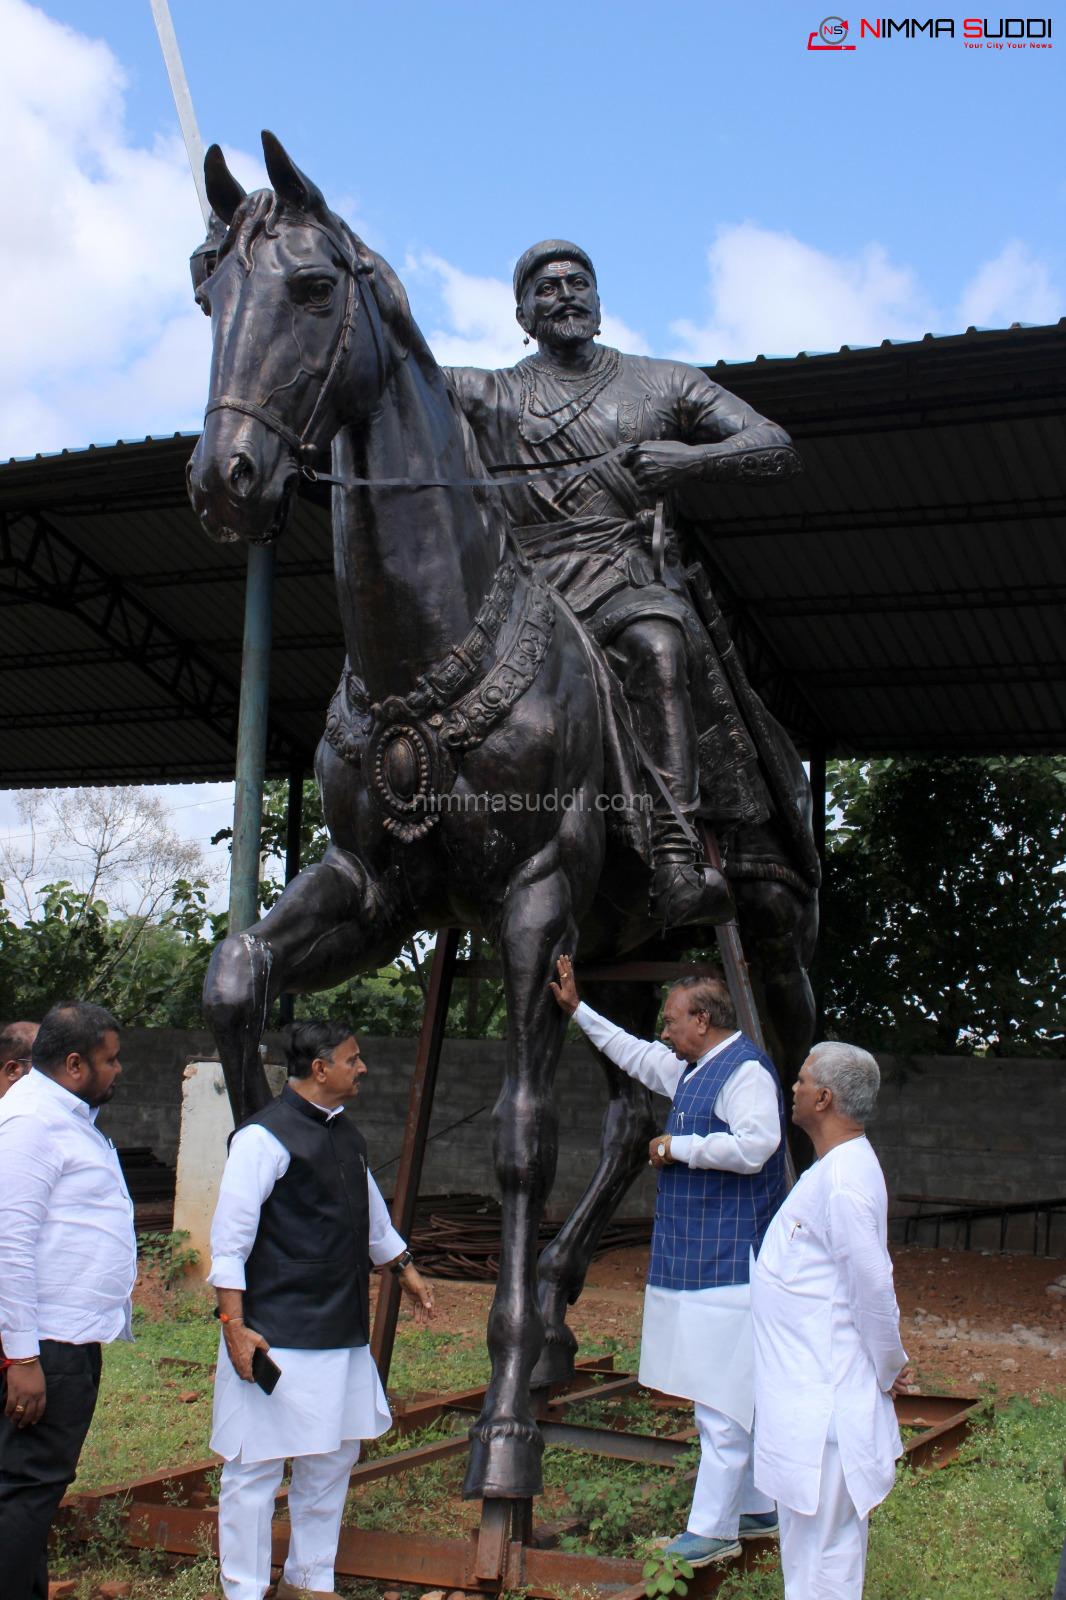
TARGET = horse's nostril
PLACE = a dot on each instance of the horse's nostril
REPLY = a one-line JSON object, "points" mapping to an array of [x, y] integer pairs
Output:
{"points": [[241, 474]]}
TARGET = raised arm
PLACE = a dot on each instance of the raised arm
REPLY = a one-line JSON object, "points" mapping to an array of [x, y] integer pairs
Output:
{"points": [[716, 436], [651, 1063]]}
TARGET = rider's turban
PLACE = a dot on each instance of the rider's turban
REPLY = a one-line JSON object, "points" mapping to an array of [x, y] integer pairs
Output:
{"points": [[548, 250]]}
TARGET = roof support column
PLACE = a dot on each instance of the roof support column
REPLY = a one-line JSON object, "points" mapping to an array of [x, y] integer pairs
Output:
{"points": [[293, 822], [816, 765], [251, 739]]}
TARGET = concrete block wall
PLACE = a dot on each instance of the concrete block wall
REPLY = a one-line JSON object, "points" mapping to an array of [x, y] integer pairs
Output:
{"points": [[983, 1129], [947, 1126]]}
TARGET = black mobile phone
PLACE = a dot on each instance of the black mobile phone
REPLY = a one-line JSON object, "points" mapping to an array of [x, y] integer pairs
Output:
{"points": [[265, 1372]]}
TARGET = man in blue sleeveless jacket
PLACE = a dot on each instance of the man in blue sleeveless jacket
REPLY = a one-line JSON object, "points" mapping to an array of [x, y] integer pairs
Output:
{"points": [[721, 1164]]}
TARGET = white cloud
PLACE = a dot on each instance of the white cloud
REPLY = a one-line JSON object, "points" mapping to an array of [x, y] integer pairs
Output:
{"points": [[100, 336], [771, 294], [1014, 286], [473, 321]]}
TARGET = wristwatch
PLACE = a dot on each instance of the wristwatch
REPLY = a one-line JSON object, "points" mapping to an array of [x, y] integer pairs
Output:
{"points": [[401, 1262], [660, 1151]]}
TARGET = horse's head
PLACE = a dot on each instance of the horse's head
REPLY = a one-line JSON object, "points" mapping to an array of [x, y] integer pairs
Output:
{"points": [[306, 322]]}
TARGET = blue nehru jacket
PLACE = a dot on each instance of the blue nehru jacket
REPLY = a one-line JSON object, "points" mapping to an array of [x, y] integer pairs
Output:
{"points": [[707, 1221]]}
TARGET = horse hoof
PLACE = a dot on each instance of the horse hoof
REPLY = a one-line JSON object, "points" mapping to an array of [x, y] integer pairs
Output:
{"points": [[504, 1462], [556, 1362]]}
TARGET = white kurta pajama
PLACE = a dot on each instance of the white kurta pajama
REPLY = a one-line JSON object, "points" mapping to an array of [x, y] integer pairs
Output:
{"points": [[697, 1343], [827, 1351], [325, 1402]]}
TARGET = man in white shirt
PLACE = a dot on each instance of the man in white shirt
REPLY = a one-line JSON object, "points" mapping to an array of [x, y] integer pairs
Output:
{"points": [[16, 1043], [299, 1223], [721, 1163], [68, 1260], [827, 1353]]}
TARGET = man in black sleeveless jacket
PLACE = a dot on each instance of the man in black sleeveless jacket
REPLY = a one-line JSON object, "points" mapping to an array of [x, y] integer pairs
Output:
{"points": [[299, 1224]]}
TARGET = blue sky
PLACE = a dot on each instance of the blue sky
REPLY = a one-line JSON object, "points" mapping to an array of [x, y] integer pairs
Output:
{"points": [[739, 193]]}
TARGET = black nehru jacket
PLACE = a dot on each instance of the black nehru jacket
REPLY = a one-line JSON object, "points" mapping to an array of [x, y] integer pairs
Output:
{"points": [[308, 1274]]}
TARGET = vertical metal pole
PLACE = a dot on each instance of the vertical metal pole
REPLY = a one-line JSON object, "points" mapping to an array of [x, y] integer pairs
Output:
{"points": [[817, 766], [294, 817], [817, 770], [251, 739], [293, 823], [737, 977], [416, 1130], [255, 660]]}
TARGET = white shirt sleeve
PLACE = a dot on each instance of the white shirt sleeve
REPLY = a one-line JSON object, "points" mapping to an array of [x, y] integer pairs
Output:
{"points": [[29, 1170], [255, 1162], [648, 1060], [385, 1242], [748, 1103], [855, 1244]]}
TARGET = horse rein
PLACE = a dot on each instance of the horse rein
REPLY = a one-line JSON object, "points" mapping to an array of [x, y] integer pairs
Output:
{"points": [[566, 467], [305, 449]]}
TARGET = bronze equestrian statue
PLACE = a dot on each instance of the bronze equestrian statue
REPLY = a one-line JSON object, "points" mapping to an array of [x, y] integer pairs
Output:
{"points": [[471, 696]]}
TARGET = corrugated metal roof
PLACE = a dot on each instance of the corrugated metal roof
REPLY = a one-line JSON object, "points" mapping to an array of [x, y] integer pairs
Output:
{"points": [[905, 594]]}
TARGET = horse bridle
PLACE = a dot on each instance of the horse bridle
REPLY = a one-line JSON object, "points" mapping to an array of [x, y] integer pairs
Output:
{"points": [[304, 445]]}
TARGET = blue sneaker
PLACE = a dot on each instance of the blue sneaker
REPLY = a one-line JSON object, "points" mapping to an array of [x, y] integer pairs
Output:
{"points": [[760, 1525], [699, 1552]]}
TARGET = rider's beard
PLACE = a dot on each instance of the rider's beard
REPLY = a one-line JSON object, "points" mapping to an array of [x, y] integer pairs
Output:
{"points": [[576, 328]]}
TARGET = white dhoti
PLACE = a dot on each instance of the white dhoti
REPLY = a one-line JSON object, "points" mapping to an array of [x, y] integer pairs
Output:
{"points": [[322, 1399], [325, 1402], [823, 1556], [697, 1344]]}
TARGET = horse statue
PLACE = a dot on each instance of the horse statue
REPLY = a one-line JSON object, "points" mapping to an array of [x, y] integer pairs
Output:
{"points": [[467, 677]]}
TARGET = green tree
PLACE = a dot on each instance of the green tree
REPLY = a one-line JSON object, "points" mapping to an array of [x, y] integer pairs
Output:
{"points": [[944, 905], [101, 900]]}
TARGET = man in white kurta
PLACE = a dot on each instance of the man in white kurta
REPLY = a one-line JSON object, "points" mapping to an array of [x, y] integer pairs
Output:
{"points": [[329, 1397], [729, 1155], [828, 1356]]}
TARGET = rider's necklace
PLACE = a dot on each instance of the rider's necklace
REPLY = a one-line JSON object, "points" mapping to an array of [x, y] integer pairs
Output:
{"points": [[538, 423]]}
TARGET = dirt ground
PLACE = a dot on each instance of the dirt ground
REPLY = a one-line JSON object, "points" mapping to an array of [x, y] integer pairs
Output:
{"points": [[969, 1320]]}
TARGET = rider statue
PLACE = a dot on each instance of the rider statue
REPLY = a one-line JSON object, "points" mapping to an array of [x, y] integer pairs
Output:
{"points": [[625, 433]]}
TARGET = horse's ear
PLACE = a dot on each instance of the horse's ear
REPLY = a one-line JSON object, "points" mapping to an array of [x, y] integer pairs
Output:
{"points": [[223, 190], [288, 182]]}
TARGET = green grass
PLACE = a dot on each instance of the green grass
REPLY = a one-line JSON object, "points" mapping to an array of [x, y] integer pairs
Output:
{"points": [[987, 1527], [141, 1426]]}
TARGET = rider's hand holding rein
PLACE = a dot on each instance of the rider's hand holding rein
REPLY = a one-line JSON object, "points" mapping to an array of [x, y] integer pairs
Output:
{"points": [[565, 991]]}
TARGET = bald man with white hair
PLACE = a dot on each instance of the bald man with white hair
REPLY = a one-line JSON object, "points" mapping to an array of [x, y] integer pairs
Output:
{"points": [[828, 1357]]}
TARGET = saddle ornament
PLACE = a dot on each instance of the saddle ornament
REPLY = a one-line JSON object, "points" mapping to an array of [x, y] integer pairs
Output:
{"points": [[408, 745]]}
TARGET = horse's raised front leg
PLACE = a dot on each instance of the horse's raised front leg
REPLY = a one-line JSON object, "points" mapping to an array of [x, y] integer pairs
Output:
{"points": [[537, 926], [628, 1125], [330, 920]]}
